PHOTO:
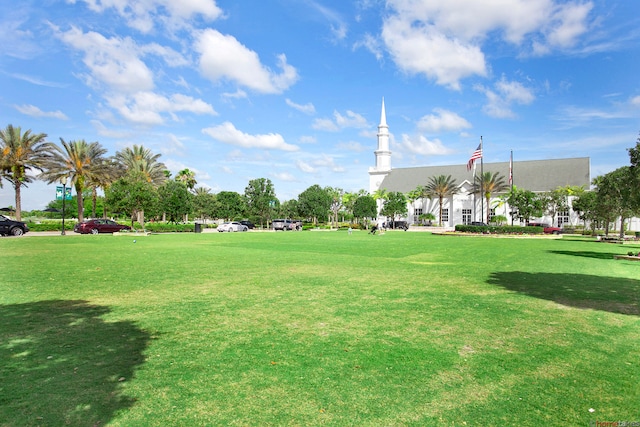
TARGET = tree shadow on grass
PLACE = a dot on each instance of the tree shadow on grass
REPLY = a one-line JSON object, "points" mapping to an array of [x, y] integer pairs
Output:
{"points": [[62, 364], [589, 254], [612, 294]]}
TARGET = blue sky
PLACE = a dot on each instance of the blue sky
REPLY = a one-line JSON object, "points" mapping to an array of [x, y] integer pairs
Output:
{"points": [[291, 90]]}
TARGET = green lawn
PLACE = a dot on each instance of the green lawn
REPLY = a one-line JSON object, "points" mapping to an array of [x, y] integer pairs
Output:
{"points": [[317, 328]]}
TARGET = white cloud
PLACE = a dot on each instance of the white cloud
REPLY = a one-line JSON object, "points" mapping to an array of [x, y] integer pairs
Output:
{"points": [[635, 100], [114, 62], [306, 139], [147, 108], [338, 26], [372, 44], [442, 121], [143, 14], [349, 120], [33, 111], [228, 134], [352, 146], [506, 93], [424, 50], [109, 133], [305, 167], [424, 146], [443, 39], [224, 57], [284, 176], [307, 108], [325, 124]]}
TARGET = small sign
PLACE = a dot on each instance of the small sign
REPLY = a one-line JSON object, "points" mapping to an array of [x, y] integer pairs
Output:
{"points": [[67, 193]]}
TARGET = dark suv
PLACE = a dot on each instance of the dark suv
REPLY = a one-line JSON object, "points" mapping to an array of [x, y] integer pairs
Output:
{"points": [[398, 225], [9, 227]]}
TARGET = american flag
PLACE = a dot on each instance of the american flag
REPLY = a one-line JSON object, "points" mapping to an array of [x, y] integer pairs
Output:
{"points": [[475, 156]]}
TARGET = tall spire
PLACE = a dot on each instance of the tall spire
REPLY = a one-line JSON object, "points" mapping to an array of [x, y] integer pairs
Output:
{"points": [[383, 115]]}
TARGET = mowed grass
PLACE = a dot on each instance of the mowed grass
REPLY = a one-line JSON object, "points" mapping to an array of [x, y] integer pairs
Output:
{"points": [[317, 328]]}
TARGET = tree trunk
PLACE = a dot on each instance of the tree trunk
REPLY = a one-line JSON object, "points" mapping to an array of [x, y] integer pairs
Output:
{"points": [[18, 201], [80, 203]]}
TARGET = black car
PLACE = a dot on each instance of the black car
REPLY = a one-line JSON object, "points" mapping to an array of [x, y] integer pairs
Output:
{"points": [[9, 227], [397, 225], [248, 224], [478, 223]]}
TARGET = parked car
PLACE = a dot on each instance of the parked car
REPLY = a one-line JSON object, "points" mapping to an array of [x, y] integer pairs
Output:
{"points": [[95, 226], [281, 224], [478, 223], [295, 224], [546, 228], [232, 226], [248, 224], [10, 227], [396, 225]]}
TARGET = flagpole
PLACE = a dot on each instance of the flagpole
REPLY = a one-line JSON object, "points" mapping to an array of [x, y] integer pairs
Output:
{"points": [[511, 181], [475, 217], [482, 179]]}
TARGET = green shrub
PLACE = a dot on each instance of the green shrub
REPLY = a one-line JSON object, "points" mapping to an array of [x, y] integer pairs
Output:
{"points": [[170, 227], [495, 229]]}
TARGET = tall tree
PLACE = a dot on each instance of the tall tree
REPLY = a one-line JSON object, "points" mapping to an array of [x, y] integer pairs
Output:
{"points": [[439, 187], [365, 207], [141, 159], [315, 203], [525, 204], [203, 202], [489, 183], [615, 189], [188, 177], [634, 155], [396, 204], [260, 197], [175, 200], [138, 159], [103, 177], [229, 205], [133, 194], [21, 153], [81, 162], [336, 202]]}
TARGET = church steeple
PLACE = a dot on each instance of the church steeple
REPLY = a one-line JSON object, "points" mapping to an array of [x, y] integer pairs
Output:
{"points": [[382, 168], [383, 155]]}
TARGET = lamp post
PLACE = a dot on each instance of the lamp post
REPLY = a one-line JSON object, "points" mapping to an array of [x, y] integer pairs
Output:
{"points": [[63, 181]]}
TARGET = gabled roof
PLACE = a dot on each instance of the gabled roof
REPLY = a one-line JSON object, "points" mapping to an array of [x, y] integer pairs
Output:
{"points": [[534, 175]]}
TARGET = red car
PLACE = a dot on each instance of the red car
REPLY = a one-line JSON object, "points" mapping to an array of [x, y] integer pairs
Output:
{"points": [[547, 228], [95, 226]]}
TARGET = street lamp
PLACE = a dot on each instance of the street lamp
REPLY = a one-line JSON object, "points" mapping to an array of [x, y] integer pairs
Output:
{"points": [[63, 181]]}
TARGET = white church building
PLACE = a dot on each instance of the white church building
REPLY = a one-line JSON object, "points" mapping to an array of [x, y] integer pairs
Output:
{"points": [[465, 207]]}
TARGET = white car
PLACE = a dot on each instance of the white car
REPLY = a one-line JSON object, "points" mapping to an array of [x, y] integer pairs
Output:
{"points": [[232, 226]]}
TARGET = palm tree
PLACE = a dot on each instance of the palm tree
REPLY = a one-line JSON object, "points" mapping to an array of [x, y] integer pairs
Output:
{"points": [[19, 154], [413, 195], [104, 175], [140, 159], [380, 194], [188, 177], [80, 161], [488, 183], [441, 186]]}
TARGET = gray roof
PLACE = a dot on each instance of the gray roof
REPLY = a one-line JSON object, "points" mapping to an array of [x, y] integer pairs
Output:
{"points": [[534, 175]]}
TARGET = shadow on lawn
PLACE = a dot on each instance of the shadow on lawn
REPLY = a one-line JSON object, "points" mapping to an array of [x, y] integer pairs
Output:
{"points": [[612, 294], [588, 254], [61, 364]]}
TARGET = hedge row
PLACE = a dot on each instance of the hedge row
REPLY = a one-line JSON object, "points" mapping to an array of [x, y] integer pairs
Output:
{"points": [[499, 229]]}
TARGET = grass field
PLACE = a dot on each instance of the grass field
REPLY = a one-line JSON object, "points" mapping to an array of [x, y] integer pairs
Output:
{"points": [[317, 328]]}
